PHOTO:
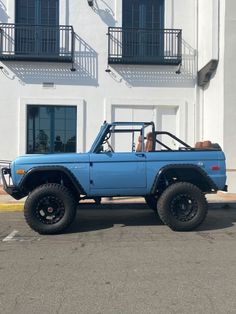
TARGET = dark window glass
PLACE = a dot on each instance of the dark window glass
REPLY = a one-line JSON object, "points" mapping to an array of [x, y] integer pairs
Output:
{"points": [[143, 20], [40, 38], [51, 129]]}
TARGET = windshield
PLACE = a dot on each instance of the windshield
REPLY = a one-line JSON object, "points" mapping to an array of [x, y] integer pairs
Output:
{"points": [[99, 136], [122, 137]]}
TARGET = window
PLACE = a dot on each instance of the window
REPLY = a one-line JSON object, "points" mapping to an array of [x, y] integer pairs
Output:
{"points": [[51, 129], [143, 20], [37, 30]]}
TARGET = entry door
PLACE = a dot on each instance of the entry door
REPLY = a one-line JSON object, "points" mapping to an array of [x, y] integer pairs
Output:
{"points": [[142, 22], [34, 34]]}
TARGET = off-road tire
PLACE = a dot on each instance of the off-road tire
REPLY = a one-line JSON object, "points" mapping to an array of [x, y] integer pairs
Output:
{"points": [[59, 200], [182, 206]]}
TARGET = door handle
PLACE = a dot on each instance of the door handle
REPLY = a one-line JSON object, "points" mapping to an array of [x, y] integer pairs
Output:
{"points": [[140, 155]]}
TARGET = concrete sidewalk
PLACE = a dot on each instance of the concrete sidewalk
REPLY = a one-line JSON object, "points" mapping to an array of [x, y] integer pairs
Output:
{"points": [[219, 200]]}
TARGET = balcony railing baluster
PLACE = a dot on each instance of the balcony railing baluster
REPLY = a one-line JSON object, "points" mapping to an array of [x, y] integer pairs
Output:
{"points": [[144, 46], [36, 42]]}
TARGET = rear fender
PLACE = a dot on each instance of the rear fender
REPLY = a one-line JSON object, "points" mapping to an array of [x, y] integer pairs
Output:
{"points": [[184, 172]]}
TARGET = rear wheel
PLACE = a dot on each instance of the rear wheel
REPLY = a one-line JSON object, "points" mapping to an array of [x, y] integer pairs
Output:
{"points": [[50, 208], [182, 206]]}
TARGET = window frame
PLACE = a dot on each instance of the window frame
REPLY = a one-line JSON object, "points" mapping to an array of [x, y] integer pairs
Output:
{"points": [[52, 129]]}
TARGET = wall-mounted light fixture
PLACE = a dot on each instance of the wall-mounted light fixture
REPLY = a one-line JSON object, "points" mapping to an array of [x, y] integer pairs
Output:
{"points": [[90, 3]]}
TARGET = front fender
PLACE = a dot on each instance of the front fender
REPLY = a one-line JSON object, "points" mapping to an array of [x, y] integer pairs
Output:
{"points": [[32, 175]]}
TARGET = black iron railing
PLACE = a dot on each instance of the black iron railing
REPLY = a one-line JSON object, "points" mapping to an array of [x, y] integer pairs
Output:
{"points": [[36, 42], [144, 46]]}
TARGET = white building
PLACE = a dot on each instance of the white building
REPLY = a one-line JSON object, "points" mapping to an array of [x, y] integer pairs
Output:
{"points": [[125, 57]]}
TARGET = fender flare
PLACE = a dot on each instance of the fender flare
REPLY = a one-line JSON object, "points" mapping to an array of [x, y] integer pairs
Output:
{"points": [[78, 187], [209, 182]]}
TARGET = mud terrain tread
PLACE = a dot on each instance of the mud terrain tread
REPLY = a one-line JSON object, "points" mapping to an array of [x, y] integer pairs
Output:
{"points": [[60, 191], [169, 219]]}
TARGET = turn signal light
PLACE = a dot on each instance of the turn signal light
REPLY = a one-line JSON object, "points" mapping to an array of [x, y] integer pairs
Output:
{"points": [[215, 168], [20, 171]]}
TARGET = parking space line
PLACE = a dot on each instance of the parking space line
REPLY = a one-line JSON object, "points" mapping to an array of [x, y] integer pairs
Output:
{"points": [[10, 236]]}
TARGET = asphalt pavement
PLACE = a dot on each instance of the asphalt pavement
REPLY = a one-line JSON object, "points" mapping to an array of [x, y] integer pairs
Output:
{"points": [[118, 258]]}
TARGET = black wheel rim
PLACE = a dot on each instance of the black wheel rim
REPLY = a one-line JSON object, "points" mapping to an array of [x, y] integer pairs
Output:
{"points": [[183, 207], [50, 210]]}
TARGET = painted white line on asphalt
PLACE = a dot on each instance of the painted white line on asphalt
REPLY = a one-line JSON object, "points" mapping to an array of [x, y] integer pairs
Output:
{"points": [[10, 236]]}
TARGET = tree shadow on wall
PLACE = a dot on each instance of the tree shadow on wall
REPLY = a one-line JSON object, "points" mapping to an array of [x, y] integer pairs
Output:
{"points": [[105, 12], [85, 64], [159, 75]]}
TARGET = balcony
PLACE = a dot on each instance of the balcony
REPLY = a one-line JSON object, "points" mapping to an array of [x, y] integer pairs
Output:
{"points": [[144, 46], [36, 43]]}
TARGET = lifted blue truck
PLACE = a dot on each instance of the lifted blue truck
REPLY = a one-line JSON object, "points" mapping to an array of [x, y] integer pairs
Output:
{"points": [[126, 159]]}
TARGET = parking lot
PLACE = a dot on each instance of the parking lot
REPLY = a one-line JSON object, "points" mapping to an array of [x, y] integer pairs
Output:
{"points": [[119, 258]]}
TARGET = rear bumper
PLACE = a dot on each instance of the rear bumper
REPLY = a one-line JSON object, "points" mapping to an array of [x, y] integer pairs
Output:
{"points": [[11, 189]]}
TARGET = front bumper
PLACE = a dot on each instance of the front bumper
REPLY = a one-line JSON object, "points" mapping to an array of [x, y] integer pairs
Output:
{"points": [[11, 189]]}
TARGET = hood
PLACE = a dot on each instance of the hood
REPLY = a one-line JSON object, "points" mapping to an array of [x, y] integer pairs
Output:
{"points": [[51, 159]]}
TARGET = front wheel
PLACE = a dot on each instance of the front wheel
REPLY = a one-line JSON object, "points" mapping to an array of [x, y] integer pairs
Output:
{"points": [[50, 208], [182, 206]]}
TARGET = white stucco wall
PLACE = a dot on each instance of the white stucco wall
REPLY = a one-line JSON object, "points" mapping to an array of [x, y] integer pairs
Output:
{"points": [[230, 92], [207, 31], [90, 86], [211, 97], [217, 98]]}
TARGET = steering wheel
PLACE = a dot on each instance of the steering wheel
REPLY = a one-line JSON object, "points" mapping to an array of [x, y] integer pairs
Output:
{"points": [[109, 146], [107, 138]]}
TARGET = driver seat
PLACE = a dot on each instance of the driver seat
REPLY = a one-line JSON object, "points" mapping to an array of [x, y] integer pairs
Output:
{"points": [[139, 145], [149, 142]]}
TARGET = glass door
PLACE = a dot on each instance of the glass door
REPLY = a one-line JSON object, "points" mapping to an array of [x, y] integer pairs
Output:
{"points": [[143, 23], [37, 30]]}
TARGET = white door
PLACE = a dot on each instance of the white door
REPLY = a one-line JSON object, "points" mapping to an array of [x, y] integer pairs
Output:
{"points": [[131, 114], [167, 121], [164, 117]]}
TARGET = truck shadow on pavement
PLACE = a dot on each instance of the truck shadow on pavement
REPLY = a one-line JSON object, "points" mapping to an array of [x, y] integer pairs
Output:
{"points": [[92, 217], [219, 217]]}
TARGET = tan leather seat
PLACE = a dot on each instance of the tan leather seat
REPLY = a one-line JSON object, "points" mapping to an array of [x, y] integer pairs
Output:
{"points": [[198, 145], [139, 145], [149, 143], [207, 144], [204, 145]]}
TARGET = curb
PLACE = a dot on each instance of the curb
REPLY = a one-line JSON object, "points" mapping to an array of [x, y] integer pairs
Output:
{"points": [[11, 207]]}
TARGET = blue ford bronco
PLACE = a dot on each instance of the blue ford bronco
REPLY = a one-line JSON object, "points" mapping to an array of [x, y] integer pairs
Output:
{"points": [[126, 159]]}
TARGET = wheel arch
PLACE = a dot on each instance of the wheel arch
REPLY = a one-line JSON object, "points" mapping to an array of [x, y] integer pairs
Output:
{"points": [[51, 174], [186, 173]]}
